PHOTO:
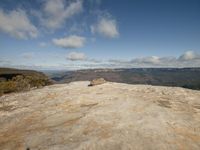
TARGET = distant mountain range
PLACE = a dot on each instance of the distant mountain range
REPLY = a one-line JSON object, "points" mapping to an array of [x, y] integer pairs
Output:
{"points": [[181, 77]]}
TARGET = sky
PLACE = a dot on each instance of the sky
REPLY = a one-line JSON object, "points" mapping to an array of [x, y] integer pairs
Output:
{"points": [[81, 34]]}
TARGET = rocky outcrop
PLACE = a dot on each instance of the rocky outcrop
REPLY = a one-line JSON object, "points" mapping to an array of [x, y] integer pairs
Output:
{"points": [[97, 82], [109, 116]]}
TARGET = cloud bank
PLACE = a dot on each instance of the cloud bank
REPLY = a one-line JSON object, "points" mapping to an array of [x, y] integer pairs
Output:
{"points": [[188, 59], [79, 60], [189, 55]]}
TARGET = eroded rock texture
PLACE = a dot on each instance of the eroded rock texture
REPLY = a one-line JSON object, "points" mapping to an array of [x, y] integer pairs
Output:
{"points": [[111, 116]]}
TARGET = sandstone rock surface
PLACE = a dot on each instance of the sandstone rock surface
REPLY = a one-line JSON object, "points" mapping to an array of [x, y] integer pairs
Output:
{"points": [[111, 116]]}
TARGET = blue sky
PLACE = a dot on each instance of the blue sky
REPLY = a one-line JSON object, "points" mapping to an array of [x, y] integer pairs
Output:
{"points": [[78, 34]]}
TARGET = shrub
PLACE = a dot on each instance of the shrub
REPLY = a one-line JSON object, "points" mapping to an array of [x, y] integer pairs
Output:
{"points": [[8, 87], [22, 84], [1, 92], [37, 81]]}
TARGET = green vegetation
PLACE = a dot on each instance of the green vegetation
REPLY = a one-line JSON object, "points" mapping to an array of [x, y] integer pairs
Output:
{"points": [[8, 87], [22, 81]]}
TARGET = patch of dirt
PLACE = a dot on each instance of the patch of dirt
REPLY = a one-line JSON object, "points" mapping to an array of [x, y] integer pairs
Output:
{"points": [[197, 106], [7, 108], [101, 130], [89, 105], [164, 103]]}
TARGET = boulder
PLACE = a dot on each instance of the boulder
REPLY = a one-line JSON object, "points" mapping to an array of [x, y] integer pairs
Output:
{"points": [[97, 82]]}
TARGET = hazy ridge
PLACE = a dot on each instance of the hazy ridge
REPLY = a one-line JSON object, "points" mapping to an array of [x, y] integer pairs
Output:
{"points": [[180, 77]]}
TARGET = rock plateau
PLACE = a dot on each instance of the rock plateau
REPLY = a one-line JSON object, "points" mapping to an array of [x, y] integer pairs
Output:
{"points": [[110, 116]]}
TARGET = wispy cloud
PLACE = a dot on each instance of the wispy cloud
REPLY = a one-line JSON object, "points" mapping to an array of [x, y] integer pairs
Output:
{"points": [[72, 41], [80, 56], [56, 12], [43, 44], [4, 62], [17, 24], [28, 55]]}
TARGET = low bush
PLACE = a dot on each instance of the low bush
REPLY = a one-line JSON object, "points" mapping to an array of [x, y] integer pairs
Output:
{"points": [[23, 83], [1, 91], [8, 87]]}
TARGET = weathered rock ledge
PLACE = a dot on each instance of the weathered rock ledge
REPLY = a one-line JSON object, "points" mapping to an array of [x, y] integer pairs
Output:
{"points": [[109, 116]]}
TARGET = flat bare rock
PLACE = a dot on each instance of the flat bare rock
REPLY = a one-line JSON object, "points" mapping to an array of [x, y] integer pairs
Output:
{"points": [[111, 116]]}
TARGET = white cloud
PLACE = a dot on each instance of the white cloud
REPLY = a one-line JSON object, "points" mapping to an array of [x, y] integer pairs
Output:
{"points": [[76, 56], [189, 55], [79, 56], [17, 24], [28, 55], [148, 60], [106, 27], [56, 12], [72, 41]]}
